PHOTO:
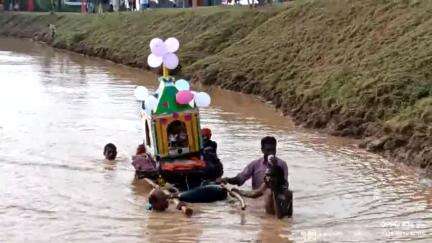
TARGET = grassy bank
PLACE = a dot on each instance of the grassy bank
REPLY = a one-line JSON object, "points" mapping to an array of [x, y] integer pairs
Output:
{"points": [[356, 68]]}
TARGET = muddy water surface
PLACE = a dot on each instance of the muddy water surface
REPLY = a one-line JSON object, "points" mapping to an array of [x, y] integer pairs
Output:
{"points": [[57, 110]]}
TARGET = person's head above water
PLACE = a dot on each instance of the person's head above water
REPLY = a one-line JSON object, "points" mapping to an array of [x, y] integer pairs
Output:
{"points": [[141, 149], [268, 145], [206, 133], [158, 200], [110, 151]]}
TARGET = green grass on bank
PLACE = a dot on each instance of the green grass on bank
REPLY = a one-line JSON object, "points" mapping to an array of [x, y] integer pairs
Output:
{"points": [[372, 58], [126, 35]]}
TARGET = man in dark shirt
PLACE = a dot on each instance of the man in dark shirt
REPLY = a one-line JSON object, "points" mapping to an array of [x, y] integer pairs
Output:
{"points": [[207, 142], [214, 168]]}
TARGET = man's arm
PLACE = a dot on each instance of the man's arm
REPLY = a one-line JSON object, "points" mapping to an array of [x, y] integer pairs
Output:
{"points": [[253, 193], [241, 177], [215, 147], [285, 169]]}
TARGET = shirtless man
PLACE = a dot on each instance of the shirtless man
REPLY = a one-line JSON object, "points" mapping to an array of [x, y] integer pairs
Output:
{"points": [[278, 196]]}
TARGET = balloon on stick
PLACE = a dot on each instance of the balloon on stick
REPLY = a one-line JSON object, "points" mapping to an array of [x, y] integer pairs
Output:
{"points": [[159, 48], [172, 44], [170, 60], [154, 42], [154, 61], [162, 52], [141, 93]]}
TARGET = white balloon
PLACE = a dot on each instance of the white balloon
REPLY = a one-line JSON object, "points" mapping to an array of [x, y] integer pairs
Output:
{"points": [[202, 99], [172, 44], [182, 84], [154, 42], [154, 61], [150, 103], [141, 93], [170, 61]]}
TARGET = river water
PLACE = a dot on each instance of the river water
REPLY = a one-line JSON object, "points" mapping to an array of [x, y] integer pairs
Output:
{"points": [[59, 109]]}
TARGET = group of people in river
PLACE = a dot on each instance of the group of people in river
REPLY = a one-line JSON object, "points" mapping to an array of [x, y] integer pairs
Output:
{"points": [[269, 175]]}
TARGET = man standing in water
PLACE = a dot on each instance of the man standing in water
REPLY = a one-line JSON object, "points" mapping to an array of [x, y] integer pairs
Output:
{"points": [[257, 169], [267, 172]]}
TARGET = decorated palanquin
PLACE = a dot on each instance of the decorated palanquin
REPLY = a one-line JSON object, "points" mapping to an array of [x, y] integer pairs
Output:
{"points": [[171, 119]]}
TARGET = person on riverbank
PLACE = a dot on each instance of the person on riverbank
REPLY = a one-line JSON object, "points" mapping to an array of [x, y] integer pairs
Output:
{"points": [[52, 31], [110, 151]]}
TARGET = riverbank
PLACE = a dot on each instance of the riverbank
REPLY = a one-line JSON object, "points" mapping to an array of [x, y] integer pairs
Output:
{"points": [[354, 68]]}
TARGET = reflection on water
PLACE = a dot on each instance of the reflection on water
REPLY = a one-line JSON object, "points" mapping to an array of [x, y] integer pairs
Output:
{"points": [[58, 110]]}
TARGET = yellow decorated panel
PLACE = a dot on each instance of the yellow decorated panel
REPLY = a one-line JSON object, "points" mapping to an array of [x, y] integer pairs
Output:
{"points": [[192, 129], [159, 137], [165, 135], [195, 131], [190, 135]]}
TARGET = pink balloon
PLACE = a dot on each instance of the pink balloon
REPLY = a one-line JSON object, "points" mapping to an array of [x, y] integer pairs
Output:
{"points": [[170, 61], [184, 97]]}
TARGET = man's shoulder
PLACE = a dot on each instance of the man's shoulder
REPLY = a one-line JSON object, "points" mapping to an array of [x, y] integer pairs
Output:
{"points": [[281, 161], [210, 142], [256, 161]]}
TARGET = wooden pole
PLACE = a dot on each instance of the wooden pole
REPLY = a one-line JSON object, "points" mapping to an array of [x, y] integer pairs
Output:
{"points": [[184, 208], [165, 71]]}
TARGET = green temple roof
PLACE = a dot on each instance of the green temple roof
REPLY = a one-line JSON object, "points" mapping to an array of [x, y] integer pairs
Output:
{"points": [[167, 98]]}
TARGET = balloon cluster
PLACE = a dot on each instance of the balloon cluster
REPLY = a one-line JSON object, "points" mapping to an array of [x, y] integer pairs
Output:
{"points": [[162, 52], [142, 94], [186, 96]]}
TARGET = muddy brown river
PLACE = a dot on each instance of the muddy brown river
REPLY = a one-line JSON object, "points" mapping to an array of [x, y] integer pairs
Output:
{"points": [[58, 110]]}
